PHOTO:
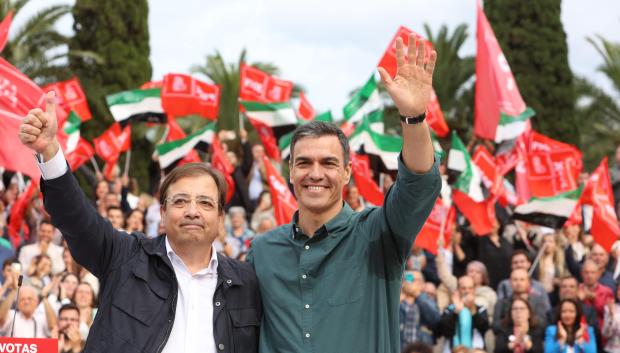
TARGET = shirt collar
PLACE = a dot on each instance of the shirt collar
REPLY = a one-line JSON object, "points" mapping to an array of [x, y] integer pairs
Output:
{"points": [[341, 221], [213, 263]]}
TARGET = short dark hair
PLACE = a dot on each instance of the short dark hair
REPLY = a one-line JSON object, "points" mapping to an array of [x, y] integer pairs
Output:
{"points": [[417, 347], [45, 222], [193, 170], [520, 252], [319, 129], [68, 306], [112, 208]]}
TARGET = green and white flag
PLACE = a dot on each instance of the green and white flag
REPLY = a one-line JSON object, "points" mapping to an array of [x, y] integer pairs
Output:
{"points": [[325, 117], [365, 101], [386, 147], [137, 105], [550, 212], [437, 146], [271, 114], [511, 127], [170, 152], [285, 145], [71, 127], [469, 180]]}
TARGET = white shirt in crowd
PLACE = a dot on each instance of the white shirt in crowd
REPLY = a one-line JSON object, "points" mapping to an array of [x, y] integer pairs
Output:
{"points": [[34, 327]]}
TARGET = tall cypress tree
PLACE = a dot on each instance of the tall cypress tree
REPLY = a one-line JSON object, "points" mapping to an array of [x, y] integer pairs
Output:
{"points": [[533, 39], [117, 30]]}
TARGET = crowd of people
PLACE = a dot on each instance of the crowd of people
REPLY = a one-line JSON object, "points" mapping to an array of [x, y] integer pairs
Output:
{"points": [[494, 293]]}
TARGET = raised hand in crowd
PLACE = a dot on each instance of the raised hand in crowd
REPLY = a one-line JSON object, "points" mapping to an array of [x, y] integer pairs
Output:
{"points": [[38, 129]]}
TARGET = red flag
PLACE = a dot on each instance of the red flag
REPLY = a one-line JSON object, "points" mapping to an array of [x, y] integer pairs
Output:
{"points": [[491, 178], [552, 167], [481, 215], [435, 118], [430, 232], [112, 142], [18, 157], [5, 25], [82, 153], [108, 168], [284, 203], [347, 128], [183, 95], [70, 96], [305, 110], [598, 192], [16, 221], [221, 163], [496, 89], [175, 132], [256, 85], [18, 94], [265, 133], [362, 176]]}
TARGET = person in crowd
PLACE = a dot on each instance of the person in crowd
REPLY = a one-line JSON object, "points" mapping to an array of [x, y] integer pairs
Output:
{"points": [[570, 333], [575, 248], [599, 256], [38, 274], [115, 216], [263, 208], [551, 266], [591, 292], [27, 325], [265, 224], [68, 332], [61, 290], [421, 259], [520, 283], [520, 331], [135, 221], [464, 323], [8, 267], [521, 260], [419, 314], [257, 176], [85, 299], [494, 252], [611, 324], [44, 245], [241, 169], [238, 231], [147, 283], [353, 198], [102, 188], [328, 277]]}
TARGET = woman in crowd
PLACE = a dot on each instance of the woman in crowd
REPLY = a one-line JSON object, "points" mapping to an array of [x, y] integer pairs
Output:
{"points": [[135, 221], [570, 334], [611, 325], [519, 332], [86, 300], [551, 266], [39, 272], [263, 207]]}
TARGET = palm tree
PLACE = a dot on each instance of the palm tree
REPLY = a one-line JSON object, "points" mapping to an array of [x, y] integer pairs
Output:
{"points": [[600, 110], [36, 48], [453, 76], [227, 76]]}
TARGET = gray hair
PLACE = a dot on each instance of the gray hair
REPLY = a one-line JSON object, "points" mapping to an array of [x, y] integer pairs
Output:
{"points": [[236, 210], [319, 129]]}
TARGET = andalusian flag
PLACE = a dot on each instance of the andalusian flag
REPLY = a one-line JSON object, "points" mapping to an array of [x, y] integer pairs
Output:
{"points": [[365, 101], [386, 147], [550, 212], [137, 105], [170, 152], [325, 117], [285, 145], [71, 127], [271, 121]]}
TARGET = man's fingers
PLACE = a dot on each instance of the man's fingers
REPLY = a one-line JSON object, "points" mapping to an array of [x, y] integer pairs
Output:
{"points": [[50, 103], [400, 55], [39, 115], [411, 48], [29, 129], [27, 138], [430, 65], [385, 76], [421, 51], [31, 119]]}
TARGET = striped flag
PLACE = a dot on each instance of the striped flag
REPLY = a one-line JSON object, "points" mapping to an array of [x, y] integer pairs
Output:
{"points": [[386, 147], [365, 101], [170, 152], [137, 105]]}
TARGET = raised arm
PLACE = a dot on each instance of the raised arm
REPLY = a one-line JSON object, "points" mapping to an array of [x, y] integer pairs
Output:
{"points": [[411, 90]]}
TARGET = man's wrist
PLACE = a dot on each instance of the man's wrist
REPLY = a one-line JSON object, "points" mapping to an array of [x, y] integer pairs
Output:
{"points": [[50, 151]]}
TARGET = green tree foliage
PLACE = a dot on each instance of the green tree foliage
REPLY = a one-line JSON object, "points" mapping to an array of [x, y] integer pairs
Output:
{"points": [[36, 48], [533, 39], [117, 31]]}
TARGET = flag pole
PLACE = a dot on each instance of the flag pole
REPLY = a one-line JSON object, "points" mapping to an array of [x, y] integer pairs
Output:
{"points": [[127, 160], [93, 161], [537, 260]]}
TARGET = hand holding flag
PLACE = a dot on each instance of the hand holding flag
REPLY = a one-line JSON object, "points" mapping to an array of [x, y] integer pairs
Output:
{"points": [[411, 88], [38, 129]]}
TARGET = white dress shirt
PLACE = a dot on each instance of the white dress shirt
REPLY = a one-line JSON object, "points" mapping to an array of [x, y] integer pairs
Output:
{"points": [[192, 330]]}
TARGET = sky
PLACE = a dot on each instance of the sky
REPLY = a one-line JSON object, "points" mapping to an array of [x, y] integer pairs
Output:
{"points": [[330, 47]]}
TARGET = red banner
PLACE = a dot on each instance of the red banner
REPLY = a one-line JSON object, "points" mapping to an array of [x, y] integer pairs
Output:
{"points": [[553, 167], [362, 177], [80, 155], [598, 193], [28, 345], [256, 85], [435, 118], [112, 142], [481, 215], [265, 133], [19, 95], [18, 211], [221, 163], [70, 96], [305, 110], [284, 203], [5, 25], [431, 231], [183, 95]]}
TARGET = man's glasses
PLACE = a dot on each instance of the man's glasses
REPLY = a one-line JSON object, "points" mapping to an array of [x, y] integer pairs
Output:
{"points": [[184, 200]]}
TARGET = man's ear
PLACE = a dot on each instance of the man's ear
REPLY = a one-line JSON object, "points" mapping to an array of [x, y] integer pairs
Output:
{"points": [[348, 169]]}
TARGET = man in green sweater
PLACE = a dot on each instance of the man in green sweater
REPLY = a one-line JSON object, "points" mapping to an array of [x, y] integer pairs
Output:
{"points": [[330, 280]]}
